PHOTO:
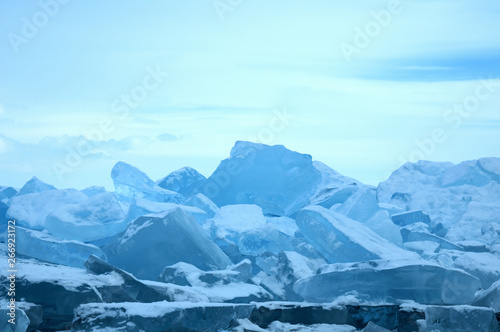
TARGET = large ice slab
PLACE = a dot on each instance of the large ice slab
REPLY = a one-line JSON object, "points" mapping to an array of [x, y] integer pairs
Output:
{"points": [[391, 281], [159, 316], [44, 247], [277, 179], [98, 217], [185, 181], [461, 318], [152, 242], [130, 183], [357, 316], [30, 210], [340, 239]]}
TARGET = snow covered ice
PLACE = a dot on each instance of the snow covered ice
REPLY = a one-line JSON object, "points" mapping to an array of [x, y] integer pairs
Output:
{"points": [[270, 224]]}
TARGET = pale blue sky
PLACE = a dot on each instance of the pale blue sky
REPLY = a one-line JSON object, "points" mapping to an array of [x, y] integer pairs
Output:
{"points": [[228, 77]]}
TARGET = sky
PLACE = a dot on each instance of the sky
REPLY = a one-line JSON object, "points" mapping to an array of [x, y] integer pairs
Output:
{"points": [[361, 86]]}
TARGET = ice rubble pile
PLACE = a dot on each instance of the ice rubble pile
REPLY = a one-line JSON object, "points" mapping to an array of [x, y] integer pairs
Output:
{"points": [[272, 240]]}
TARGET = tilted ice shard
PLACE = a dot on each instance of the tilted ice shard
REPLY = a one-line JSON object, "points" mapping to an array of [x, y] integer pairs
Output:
{"points": [[489, 298], [361, 206], [185, 181], [30, 210], [340, 239], [130, 183], [277, 179], [152, 242], [44, 247], [390, 281], [98, 217]]}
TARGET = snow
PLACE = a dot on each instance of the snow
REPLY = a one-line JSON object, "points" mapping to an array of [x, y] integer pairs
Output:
{"points": [[98, 217], [42, 246], [285, 225], [71, 278], [482, 265], [30, 210], [230, 220]]}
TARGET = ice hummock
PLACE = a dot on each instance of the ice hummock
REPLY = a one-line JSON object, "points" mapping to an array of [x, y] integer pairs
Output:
{"points": [[185, 181], [130, 183], [459, 199], [35, 185], [30, 210], [98, 217], [280, 181]]}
